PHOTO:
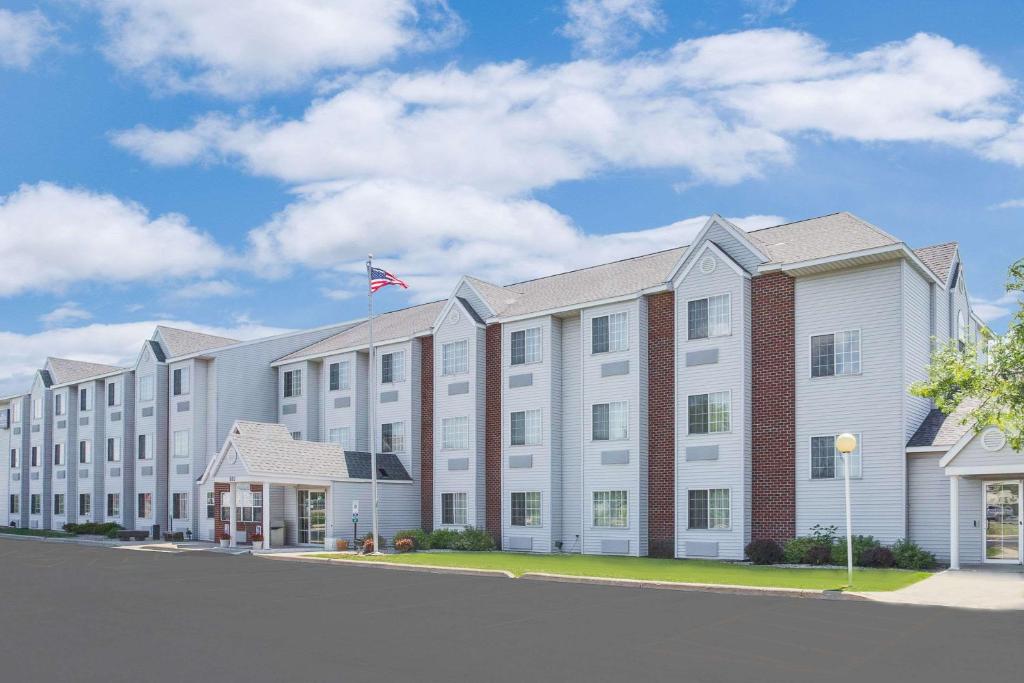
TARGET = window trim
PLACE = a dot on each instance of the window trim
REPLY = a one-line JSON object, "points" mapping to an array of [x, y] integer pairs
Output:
{"points": [[116, 512], [455, 508], [709, 489], [810, 354], [526, 442], [185, 384], [444, 446], [610, 439], [392, 381], [188, 443], [610, 349], [393, 449], [141, 497], [709, 432], [451, 343], [145, 380], [593, 524], [291, 383], [540, 346], [116, 453], [540, 510], [810, 458], [686, 313], [344, 378]]}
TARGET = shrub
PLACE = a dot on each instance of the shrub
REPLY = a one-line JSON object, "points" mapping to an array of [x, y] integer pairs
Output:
{"points": [[909, 555], [341, 544], [443, 539], [877, 557], [99, 529], [795, 551], [824, 535], [404, 545], [420, 538], [368, 545], [473, 539], [860, 545], [368, 538], [764, 551], [818, 554]]}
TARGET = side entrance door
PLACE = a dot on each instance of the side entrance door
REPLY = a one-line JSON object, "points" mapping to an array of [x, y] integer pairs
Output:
{"points": [[1004, 528]]}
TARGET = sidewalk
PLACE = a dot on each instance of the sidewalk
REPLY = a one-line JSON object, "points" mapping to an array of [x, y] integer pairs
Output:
{"points": [[993, 588]]}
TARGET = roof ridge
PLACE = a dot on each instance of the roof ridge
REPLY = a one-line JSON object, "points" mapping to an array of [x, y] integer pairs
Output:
{"points": [[940, 244], [802, 220], [161, 326]]}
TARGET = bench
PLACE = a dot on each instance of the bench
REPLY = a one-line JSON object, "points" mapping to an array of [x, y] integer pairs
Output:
{"points": [[132, 535]]}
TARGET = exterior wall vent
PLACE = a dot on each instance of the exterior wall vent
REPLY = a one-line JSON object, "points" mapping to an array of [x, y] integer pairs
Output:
{"points": [[708, 264], [992, 439]]}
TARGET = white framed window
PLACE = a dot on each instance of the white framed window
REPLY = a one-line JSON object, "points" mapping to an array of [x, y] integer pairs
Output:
{"points": [[525, 507], [339, 374], [455, 358], [341, 436], [525, 428], [211, 505], [709, 317], [15, 459], [182, 447], [525, 346], [297, 436], [113, 505], [84, 399], [58, 454], [827, 462], [610, 421], [114, 449], [34, 456], [249, 506], [14, 504], [179, 506], [709, 413], [611, 509], [609, 333], [84, 504], [143, 452], [454, 433], [453, 508], [16, 412], [58, 503], [114, 393], [392, 437], [181, 381], [58, 404], [392, 367], [146, 388], [708, 509], [37, 408], [837, 353], [35, 503], [292, 383], [84, 452], [145, 507]]}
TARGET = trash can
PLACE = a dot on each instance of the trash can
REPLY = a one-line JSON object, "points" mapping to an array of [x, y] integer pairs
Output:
{"points": [[154, 533]]}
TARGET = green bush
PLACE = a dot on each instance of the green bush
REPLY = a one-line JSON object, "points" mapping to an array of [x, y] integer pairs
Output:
{"points": [[818, 555], [764, 551], [860, 545], [880, 557], [473, 539], [98, 529], [795, 550], [443, 539], [909, 555], [420, 538], [369, 537]]}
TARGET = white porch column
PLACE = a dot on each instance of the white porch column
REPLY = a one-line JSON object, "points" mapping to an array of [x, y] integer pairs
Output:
{"points": [[329, 519], [232, 515], [266, 515], [954, 522]]}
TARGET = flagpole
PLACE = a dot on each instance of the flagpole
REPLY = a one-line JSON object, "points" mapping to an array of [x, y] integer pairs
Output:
{"points": [[373, 419]]}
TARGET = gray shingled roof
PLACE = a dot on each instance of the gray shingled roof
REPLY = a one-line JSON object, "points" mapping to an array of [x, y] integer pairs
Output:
{"points": [[64, 370], [938, 258], [942, 430], [405, 322], [183, 342], [496, 296], [831, 235], [269, 449]]}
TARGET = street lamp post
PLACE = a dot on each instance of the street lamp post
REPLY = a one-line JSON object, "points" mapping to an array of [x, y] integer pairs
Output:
{"points": [[847, 444]]}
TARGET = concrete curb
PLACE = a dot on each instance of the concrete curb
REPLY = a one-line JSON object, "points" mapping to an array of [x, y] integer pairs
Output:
{"points": [[594, 580]]}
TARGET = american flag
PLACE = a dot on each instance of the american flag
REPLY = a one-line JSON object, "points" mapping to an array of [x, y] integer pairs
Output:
{"points": [[382, 278]]}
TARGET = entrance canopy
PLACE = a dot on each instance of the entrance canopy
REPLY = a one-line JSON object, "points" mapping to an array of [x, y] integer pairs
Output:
{"points": [[259, 452]]}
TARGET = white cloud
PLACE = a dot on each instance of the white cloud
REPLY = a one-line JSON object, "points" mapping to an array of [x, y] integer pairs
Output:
{"points": [[603, 27], [23, 37], [113, 344], [1008, 147], [245, 47], [719, 109], [52, 236], [765, 9], [208, 289], [430, 236], [1009, 204], [67, 312], [991, 310]]}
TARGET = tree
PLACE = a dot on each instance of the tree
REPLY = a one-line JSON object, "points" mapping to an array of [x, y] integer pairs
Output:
{"points": [[997, 385]]}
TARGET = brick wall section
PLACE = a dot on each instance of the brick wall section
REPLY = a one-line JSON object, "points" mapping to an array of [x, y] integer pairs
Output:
{"points": [[218, 528], [492, 431], [427, 433], [773, 324], [661, 464]]}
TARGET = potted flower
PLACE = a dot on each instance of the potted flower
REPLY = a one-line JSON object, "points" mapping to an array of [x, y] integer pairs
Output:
{"points": [[341, 544], [225, 541], [257, 541]]}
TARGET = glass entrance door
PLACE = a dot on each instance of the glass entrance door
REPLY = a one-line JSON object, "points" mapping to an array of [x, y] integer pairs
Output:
{"points": [[312, 516], [1002, 521]]}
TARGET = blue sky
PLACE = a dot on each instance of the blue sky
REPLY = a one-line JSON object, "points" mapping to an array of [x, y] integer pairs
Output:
{"points": [[227, 166]]}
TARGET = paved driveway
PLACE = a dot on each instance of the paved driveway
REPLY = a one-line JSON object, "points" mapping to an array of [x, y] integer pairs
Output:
{"points": [[77, 613], [985, 587]]}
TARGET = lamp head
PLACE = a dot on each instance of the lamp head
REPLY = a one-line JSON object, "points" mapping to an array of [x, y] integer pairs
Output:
{"points": [[846, 443]]}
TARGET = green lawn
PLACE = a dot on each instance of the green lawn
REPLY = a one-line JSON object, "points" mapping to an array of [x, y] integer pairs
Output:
{"points": [[34, 532], [652, 569]]}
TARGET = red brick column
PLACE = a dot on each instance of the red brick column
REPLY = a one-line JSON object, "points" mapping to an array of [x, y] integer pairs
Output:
{"points": [[218, 527], [492, 431], [661, 461], [427, 433], [773, 325]]}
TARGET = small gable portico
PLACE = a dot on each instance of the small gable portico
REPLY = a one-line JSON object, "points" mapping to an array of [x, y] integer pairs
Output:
{"points": [[982, 465], [271, 490]]}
